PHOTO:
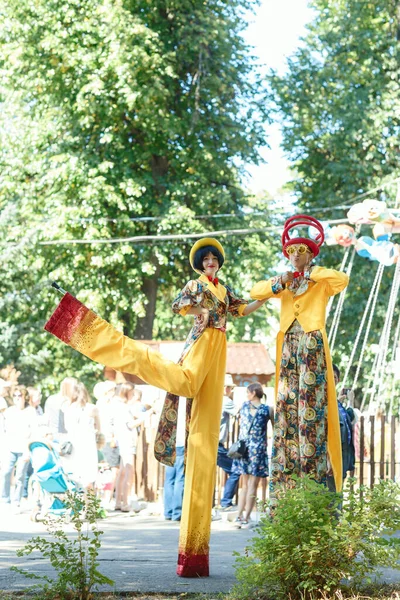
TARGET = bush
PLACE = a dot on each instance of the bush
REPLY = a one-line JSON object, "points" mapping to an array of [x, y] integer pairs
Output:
{"points": [[311, 546], [74, 559]]}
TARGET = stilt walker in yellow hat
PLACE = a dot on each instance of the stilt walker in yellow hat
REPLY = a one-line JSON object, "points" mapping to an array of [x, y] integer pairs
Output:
{"points": [[199, 375]]}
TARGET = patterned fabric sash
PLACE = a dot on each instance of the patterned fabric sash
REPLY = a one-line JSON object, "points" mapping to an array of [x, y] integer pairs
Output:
{"points": [[165, 442]]}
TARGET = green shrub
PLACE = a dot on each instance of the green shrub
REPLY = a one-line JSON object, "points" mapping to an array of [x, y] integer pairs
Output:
{"points": [[310, 546], [74, 558]]}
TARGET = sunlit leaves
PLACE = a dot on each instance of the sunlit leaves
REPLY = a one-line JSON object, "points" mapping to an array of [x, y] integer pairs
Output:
{"points": [[113, 111]]}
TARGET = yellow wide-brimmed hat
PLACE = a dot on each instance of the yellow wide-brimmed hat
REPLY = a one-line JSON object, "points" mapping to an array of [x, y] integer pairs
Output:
{"points": [[200, 244]]}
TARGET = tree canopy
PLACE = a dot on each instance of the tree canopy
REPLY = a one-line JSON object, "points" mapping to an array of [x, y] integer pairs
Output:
{"points": [[120, 119], [339, 104], [127, 123]]}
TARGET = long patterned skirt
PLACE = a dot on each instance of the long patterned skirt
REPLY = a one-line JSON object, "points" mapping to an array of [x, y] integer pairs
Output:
{"points": [[300, 429]]}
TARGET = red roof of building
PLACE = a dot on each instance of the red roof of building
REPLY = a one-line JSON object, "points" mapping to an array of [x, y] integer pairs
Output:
{"points": [[246, 358], [243, 357]]}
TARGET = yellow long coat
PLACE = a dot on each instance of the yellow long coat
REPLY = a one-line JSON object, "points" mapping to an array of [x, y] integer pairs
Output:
{"points": [[310, 309]]}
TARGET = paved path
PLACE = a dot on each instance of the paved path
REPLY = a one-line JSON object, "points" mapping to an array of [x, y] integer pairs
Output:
{"points": [[139, 553]]}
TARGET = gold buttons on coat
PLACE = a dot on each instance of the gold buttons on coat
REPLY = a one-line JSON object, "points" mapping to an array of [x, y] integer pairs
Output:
{"points": [[297, 305], [296, 314]]}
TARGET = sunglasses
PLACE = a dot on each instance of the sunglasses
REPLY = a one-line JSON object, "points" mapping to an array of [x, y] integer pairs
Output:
{"points": [[300, 248]]}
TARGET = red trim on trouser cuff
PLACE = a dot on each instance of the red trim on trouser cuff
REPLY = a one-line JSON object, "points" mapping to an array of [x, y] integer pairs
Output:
{"points": [[195, 565], [66, 319]]}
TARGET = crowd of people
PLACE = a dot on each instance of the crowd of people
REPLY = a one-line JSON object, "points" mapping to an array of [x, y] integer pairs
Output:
{"points": [[95, 436], [96, 441]]}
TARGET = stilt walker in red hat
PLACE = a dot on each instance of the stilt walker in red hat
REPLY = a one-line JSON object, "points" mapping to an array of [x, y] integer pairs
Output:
{"points": [[306, 431]]}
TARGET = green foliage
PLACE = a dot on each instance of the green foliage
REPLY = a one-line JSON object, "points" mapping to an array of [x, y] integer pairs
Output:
{"points": [[339, 105], [74, 559], [340, 99], [118, 119], [309, 547]]}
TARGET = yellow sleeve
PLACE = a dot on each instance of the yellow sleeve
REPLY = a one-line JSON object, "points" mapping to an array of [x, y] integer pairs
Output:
{"points": [[240, 309], [263, 290], [335, 281]]}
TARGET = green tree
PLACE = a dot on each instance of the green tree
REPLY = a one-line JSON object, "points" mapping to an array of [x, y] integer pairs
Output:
{"points": [[119, 119], [340, 101], [339, 104]]}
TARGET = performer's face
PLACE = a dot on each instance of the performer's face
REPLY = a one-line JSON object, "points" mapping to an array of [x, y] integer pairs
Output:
{"points": [[300, 256], [210, 264]]}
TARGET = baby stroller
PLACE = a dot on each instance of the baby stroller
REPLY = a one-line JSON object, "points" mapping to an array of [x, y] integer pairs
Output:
{"points": [[49, 481]]}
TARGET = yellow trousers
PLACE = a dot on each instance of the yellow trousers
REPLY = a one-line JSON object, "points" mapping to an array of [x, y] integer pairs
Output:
{"points": [[200, 376]]}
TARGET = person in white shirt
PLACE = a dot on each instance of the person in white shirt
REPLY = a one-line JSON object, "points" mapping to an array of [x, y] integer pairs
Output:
{"points": [[129, 414], [4, 385], [82, 422], [3, 408], [19, 423], [55, 405], [104, 392], [35, 396]]}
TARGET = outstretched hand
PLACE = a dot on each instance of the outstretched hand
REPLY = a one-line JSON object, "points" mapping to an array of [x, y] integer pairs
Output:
{"points": [[203, 317], [287, 277]]}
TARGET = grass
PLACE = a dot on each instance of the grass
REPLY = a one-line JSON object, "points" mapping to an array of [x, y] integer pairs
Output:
{"points": [[385, 592]]}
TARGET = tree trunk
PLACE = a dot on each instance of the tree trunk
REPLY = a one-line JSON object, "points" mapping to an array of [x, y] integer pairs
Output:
{"points": [[144, 325], [398, 21]]}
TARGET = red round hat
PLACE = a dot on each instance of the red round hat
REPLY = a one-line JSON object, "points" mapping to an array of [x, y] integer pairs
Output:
{"points": [[295, 221]]}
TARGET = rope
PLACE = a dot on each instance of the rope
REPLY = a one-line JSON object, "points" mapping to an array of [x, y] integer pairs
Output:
{"points": [[167, 237], [387, 329], [389, 320], [336, 314], [396, 339], [378, 278], [380, 362], [342, 266], [345, 257], [339, 307], [367, 388], [372, 296], [395, 343]]}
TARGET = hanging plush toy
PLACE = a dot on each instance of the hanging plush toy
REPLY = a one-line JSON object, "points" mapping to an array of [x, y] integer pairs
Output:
{"points": [[382, 250], [369, 212], [391, 225], [344, 235], [374, 211]]}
